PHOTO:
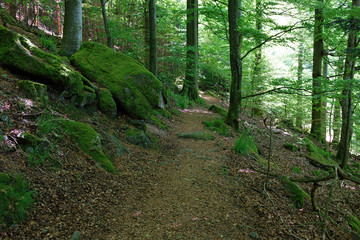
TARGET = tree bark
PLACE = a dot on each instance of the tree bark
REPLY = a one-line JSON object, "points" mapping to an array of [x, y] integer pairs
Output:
{"points": [[316, 75], [235, 40], [191, 88], [324, 102], [72, 27], [346, 97], [153, 44], [256, 78], [299, 109], [106, 25]]}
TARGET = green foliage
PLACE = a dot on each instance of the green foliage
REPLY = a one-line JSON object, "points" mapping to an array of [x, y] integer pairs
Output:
{"points": [[296, 169], [354, 223], [197, 135], [181, 101], [320, 173], [245, 145], [218, 126], [297, 194], [48, 43], [15, 200]]}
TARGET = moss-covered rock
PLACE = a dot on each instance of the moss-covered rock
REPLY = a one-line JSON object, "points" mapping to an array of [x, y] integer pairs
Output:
{"points": [[138, 137], [18, 53], [88, 140], [106, 102], [133, 87], [35, 91], [219, 110]]}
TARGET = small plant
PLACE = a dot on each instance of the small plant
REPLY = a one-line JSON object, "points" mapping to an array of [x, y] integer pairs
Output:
{"points": [[296, 170], [48, 43], [197, 135], [218, 126], [15, 200], [354, 223], [245, 145]]}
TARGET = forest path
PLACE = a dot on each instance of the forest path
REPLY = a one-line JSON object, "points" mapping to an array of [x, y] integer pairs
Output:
{"points": [[190, 195]]}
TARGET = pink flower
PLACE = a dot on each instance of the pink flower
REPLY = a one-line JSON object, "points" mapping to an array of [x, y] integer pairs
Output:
{"points": [[5, 107], [245, 171]]}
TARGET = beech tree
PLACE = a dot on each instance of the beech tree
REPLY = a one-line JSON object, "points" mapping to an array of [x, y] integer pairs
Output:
{"points": [[316, 123], [106, 24], [152, 38], [72, 36], [191, 85], [346, 100], [235, 40]]}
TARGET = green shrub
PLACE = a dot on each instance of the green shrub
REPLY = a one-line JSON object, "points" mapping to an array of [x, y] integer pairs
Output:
{"points": [[48, 43], [218, 126], [245, 145], [219, 110], [354, 223], [15, 200]]}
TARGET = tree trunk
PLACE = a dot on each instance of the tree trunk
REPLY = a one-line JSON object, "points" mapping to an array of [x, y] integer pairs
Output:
{"points": [[316, 75], [235, 40], [153, 44], [324, 102], [336, 122], [300, 69], [346, 99], [191, 88], [256, 78], [146, 33], [106, 25], [72, 27]]}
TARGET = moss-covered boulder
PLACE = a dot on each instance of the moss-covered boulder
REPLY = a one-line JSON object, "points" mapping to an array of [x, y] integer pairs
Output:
{"points": [[106, 103], [88, 140], [134, 88], [19, 54], [35, 91], [139, 138]]}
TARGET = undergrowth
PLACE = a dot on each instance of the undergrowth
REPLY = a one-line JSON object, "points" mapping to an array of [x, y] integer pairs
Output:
{"points": [[197, 135], [245, 145], [15, 200], [217, 126]]}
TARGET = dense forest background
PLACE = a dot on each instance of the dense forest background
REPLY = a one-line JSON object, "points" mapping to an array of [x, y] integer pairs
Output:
{"points": [[283, 44]]}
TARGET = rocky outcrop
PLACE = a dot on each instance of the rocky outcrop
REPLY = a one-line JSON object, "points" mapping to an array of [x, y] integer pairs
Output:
{"points": [[134, 88]]}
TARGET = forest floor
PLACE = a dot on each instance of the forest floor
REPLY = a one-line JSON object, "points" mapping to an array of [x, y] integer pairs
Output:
{"points": [[185, 189]]}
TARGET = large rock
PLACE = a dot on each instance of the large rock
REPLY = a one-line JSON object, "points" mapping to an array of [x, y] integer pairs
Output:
{"points": [[19, 54], [133, 87]]}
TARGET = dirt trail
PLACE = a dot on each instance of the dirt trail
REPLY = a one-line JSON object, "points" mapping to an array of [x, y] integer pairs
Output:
{"points": [[189, 196]]}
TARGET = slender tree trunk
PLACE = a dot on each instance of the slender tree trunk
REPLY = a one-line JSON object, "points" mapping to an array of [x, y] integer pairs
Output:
{"points": [[300, 69], [153, 44], [191, 88], [346, 98], [316, 75], [256, 78], [106, 25], [235, 40], [146, 33], [336, 122], [324, 102], [72, 27], [58, 17]]}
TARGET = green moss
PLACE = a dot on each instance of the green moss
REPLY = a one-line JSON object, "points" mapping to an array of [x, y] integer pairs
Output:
{"points": [[218, 126], [163, 112], [106, 102], [5, 16], [197, 135], [87, 97], [88, 140], [135, 89], [138, 137], [34, 90], [291, 147], [18, 53], [297, 194], [4, 178], [318, 153], [219, 110]]}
